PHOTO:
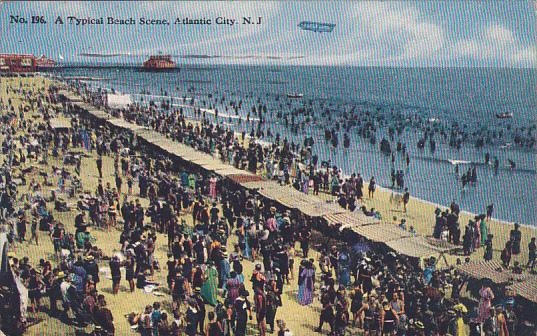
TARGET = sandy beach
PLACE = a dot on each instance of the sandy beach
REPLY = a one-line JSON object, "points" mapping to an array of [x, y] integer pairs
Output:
{"points": [[125, 302], [420, 215]]}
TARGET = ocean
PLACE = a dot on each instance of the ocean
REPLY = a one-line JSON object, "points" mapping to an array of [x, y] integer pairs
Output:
{"points": [[418, 98]]}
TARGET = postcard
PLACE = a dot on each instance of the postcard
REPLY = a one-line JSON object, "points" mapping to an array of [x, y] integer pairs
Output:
{"points": [[268, 167]]}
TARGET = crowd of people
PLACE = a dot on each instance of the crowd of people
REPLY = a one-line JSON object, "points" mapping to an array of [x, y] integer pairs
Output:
{"points": [[212, 231]]}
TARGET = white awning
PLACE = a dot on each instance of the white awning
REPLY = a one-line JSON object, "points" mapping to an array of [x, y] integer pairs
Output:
{"points": [[118, 100], [57, 123]]}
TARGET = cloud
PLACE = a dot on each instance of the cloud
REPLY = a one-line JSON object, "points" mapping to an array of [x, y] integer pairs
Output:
{"points": [[525, 56], [385, 33], [495, 44]]}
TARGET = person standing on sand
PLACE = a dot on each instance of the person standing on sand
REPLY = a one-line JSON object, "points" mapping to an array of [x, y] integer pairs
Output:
{"points": [[388, 320], [116, 273], [57, 236], [532, 255], [99, 163], [485, 302], [33, 230], [212, 187], [372, 187], [119, 182], [306, 284], [273, 302], [406, 198], [214, 327], [488, 248], [129, 271], [21, 227], [260, 301], [515, 236], [327, 311], [210, 285], [466, 240], [243, 312], [490, 209]]}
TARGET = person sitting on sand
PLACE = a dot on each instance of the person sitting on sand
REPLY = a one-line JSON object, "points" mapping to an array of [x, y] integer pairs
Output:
{"points": [[103, 316], [144, 279], [507, 253]]}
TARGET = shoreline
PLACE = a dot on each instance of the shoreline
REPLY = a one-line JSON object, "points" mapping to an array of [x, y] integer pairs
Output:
{"points": [[389, 190], [379, 187], [384, 189], [466, 212], [473, 213]]}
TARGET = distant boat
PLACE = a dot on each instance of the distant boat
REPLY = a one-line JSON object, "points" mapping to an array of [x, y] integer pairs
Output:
{"points": [[295, 95], [457, 162], [159, 62], [504, 115], [317, 27]]}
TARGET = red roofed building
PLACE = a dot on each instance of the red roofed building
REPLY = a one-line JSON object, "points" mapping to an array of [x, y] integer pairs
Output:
{"points": [[43, 62], [17, 63]]}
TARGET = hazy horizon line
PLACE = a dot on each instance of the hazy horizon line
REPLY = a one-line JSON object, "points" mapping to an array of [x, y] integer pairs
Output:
{"points": [[137, 64]]}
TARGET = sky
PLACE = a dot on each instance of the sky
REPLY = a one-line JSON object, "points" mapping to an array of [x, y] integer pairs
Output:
{"points": [[375, 33]]}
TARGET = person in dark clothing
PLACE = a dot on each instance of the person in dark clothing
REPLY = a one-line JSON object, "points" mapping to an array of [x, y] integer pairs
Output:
{"points": [[406, 198], [72, 300], [57, 236], [341, 320], [532, 255], [178, 290], [467, 241], [21, 228], [201, 309], [388, 320], [515, 236], [273, 302], [507, 253], [305, 236], [327, 312], [490, 210], [372, 187], [100, 188], [116, 274], [99, 163], [243, 310], [142, 280], [129, 271], [214, 328], [55, 293], [260, 310], [119, 183], [103, 316], [79, 220], [488, 248], [192, 316], [92, 268]]}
